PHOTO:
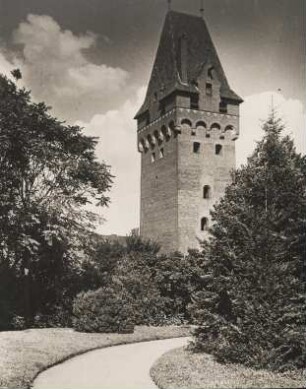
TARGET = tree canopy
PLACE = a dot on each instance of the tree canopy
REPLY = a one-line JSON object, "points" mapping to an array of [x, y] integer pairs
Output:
{"points": [[49, 171]]}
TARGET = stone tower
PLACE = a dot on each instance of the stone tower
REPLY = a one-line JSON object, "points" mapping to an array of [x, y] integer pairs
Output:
{"points": [[187, 127]]}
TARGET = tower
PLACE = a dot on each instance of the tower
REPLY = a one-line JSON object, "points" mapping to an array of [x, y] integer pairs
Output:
{"points": [[187, 127]]}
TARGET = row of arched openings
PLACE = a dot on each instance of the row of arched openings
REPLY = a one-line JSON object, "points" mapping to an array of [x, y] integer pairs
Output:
{"points": [[166, 132], [201, 123]]}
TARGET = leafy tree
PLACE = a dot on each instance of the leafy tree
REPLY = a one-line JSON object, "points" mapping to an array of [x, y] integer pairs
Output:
{"points": [[49, 171], [251, 309]]}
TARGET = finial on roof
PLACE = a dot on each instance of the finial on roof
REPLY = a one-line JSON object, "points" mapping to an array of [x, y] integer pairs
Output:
{"points": [[169, 5], [202, 8]]}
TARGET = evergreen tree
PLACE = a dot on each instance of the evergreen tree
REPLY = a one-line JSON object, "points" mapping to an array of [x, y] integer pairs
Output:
{"points": [[251, 309]]}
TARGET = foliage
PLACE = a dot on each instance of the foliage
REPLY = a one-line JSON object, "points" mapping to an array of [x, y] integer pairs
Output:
{"points": [[49, 171], [161, 285], [107, 309], [134, 272], [251, 308]]}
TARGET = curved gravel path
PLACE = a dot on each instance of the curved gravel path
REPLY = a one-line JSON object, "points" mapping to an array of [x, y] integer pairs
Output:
{"points": [[118, 367]]}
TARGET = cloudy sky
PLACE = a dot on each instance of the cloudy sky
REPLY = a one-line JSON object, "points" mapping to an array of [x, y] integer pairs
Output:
{"points": [[91, 60]]}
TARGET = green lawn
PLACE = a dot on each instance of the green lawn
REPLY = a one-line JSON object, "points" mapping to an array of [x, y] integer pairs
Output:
{"points": [[181, 369], [26, 353]]}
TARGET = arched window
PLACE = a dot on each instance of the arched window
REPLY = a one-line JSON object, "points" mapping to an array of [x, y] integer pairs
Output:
{"points": [[157, 137], [210, 72], [201, 124], [215, 126], [187, 122], [166, 133], [229, 128], [218, 149], [204, 224], [206, 192], [151, 141]]}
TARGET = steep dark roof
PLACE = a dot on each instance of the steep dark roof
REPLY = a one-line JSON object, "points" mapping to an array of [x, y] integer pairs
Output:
{"points": [[201, 50]]}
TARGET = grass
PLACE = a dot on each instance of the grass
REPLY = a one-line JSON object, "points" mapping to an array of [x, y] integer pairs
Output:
{"points": [[181, 368], [24, 354]]}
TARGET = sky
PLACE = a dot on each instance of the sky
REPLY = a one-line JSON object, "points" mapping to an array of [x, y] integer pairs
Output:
{"points": [[91, 61]]}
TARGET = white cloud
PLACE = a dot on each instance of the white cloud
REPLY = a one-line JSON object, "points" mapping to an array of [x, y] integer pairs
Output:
{"points": [[5, 65], [255, 110], [117, 146], [56, 69]]}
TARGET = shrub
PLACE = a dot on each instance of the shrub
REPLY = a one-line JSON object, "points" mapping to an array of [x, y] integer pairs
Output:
{"points": [[60, 318], [18, 323], [105, 310]]}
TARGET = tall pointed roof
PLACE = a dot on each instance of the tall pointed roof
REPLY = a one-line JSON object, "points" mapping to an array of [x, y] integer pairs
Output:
{"points": [[165, 77]]}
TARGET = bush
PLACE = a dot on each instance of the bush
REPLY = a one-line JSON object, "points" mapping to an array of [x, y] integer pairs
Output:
{"points": [[18, 323], [105, 310], [60, 318]]}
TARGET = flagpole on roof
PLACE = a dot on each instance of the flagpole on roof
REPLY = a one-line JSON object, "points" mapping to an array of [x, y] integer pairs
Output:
{"points": [[202, 8]]}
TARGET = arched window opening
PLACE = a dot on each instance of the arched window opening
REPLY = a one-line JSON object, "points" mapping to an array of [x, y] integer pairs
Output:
{"points": [[141, 146], [157, 137], [201, 124], [171, 127], [229, 128], [161, 153], [218, 149], [206, 192], [210, 72], [166, 133], [204, 224], [215, 126], [187, 122], [153, 157], [151, 141]]}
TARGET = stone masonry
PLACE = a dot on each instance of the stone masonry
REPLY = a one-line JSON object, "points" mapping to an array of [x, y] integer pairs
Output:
{"points": [[187, 129]]}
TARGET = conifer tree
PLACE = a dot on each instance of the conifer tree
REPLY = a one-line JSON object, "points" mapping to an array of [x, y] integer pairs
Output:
{"points": [[251, 308]]}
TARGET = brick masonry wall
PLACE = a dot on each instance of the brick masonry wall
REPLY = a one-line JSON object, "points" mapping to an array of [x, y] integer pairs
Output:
{"points": [[158, 209], [195, 170], [172, 202]]}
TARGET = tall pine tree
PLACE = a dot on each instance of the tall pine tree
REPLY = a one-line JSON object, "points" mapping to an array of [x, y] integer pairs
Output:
{"points": [[251, 307]]}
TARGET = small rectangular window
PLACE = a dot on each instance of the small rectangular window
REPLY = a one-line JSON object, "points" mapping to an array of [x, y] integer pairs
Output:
{"points": [[153, 157], [208, 89], [194, 102], [161, 153], [218, 149], [222, 107], [196, 147]]}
